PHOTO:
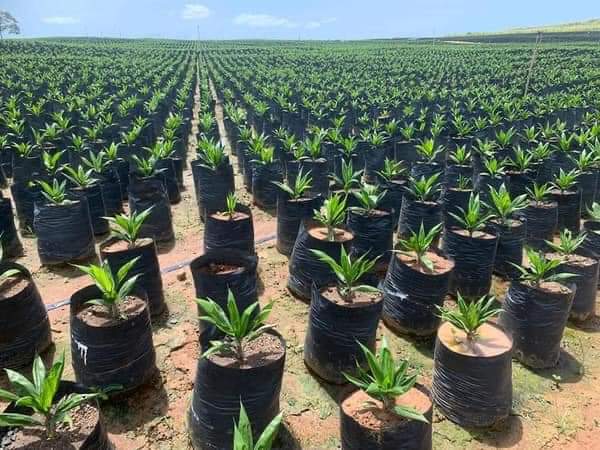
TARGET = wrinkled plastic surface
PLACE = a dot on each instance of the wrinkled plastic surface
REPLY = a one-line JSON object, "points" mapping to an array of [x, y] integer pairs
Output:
{"points": [[230, 234], [169, 179], [10, 239], [373, 234], [242, 282], [216, 398], [536, 320], [569, 210], [510, 247], [413, 213], [332, 336], [147, 192], [121, 354], [305, 268], [471, 391], [24, 326], [473, 263], [410, 298], [290, 215], [264, 191], [541, 225], [212, 187], [64, 232], [401, 435], [586, 283], [452, 200], [146, 267], [95, 201], [24, 197], [392, 201]]}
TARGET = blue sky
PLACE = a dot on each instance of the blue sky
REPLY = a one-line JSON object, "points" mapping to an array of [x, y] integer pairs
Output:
{"points": [[286, 19]]}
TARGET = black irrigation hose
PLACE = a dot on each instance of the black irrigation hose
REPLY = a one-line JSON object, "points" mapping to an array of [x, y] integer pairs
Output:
{"points": [[173, 268]]}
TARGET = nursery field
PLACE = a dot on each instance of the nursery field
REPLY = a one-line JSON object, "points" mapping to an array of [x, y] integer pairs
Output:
{"points": [[430, 180]]}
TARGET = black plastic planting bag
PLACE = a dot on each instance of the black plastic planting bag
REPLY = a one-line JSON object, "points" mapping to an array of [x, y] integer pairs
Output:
{"points": [[410, 298], [374, 160], [471, 391], [24, 326], [425, 169], [111, 193], [473, 262], [404, 434], [536, 319], [318, 169], [518, 182], [64, 232], [147, 192], [586, 284], [121, 167], [24, 197], [230, 234], [242, 282], [97, 439], [541, 224], [170, 179], [373, 234], [305, 268], [569, 209], [8, 233], [413, 213], [511, 239], [392, 201], [587, 182], [264, 191], [95, 201], [121, 354], [216, 398], [212, 187], [332, 336], [454, 171], [290, 215], [452, 201], [146, 267], [485, 182]]}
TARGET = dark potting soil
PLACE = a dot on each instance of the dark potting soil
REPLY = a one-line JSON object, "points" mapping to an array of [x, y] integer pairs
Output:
{"points": [[258, 352], [13, 286], [359, 299], [440, 264], [225, 217], [340, 235], [552, 287], [374, 417], [84, 419], [221, 269], [99, 316], [490, 341], [119, 246]]}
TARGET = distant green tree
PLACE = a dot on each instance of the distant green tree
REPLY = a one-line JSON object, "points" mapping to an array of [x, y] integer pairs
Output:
{"points": [[8, 24]]}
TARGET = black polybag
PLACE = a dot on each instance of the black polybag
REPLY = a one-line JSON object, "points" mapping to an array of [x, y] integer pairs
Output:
{"points": [[305, 268], [264, 191], [230, 234], [410, 298], [414, 212], [569, 209], [95, 200], [541, 224], [373, 234], [24, 325], [212, 187], [290, 214], [147, 192], [536, 320], [120, 354], [332, 336], [242, 282], [11, 245], [511, 239], [472, 391], [64, 232], [218, 391]]}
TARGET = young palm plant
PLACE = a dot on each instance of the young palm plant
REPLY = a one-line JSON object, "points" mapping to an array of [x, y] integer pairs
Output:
{"points": [[55, 193], [348, 178], [473, 218], [369, 197], [239, 328], [114, 290], [81, 178], [302, 183], [418, 244], [349, 272], [541, 269], [424, 189], [126, 227], [567, 243], [503, 207], [332, 214], [39, 395], [470, 316], [385, 380], [242, 433]]}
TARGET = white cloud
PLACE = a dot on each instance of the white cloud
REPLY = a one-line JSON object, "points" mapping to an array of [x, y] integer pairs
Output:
{"points": [[61, 20], [263, 21], [192, 11], [318, 23]]}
